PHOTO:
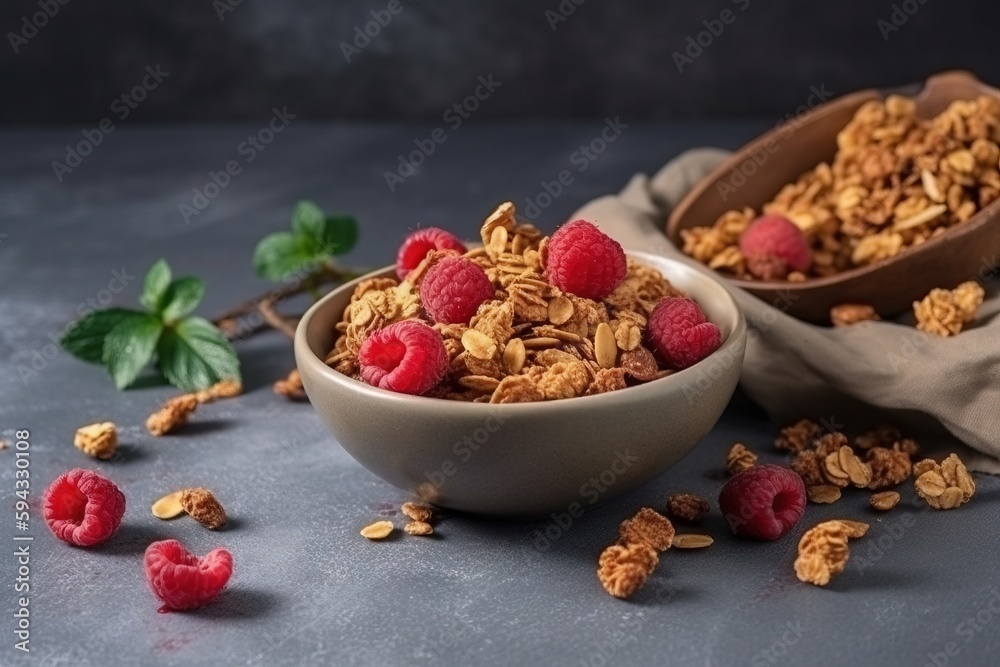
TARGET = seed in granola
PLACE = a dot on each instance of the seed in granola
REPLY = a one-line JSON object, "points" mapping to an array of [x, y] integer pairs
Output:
{"points": [[418, 528], [203, 507], [514, 356], [687, 507], [169, 506], [847, 314], [378, 530], [622, 569], [478, 344], [97, 440], [647, 527], [884, 500], [605, 346], [560, 310], [739, 458], [692, 541], [541, 342], [823, 494], [417, 512]]}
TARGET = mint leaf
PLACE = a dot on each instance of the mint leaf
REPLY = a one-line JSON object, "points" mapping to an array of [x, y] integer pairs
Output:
{"points": [[195, 355], [155, 288], [129, 346], [281, 254], [183, 296], [307, 220], [84, 339], [340, 233]]}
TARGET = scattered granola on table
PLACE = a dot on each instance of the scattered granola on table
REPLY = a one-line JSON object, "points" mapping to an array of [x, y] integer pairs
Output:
{"points": [[523, 318], [624, 566], [739, 458], [945, 312], [219, 390], [824, 552], [895, 182], [884, 501], [202, 506], [291, 387], [172, 415], [687, 507], [847, 314], [97, 440], [378, 530], [944, 485]]}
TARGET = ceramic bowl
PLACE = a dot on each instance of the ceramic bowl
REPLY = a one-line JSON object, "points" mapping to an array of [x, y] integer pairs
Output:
{"points": [[783, 154], [526, 459]]}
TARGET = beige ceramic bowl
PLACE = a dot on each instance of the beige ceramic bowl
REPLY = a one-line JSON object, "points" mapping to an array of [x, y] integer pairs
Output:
{"points": [[526, 459]]}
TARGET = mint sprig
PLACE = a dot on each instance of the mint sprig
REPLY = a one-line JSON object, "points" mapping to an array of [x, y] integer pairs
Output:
{"points": [[314, 240], [191, 352]]}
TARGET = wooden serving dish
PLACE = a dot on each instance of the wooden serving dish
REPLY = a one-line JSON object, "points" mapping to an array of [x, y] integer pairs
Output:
{"points": [[964, 252]]}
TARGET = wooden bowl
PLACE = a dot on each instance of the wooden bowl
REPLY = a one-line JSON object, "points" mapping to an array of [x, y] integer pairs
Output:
{"points": [[782, 155]]}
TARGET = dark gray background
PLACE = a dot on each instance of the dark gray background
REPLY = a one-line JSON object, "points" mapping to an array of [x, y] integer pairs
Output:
{"points": [[606, 58]]}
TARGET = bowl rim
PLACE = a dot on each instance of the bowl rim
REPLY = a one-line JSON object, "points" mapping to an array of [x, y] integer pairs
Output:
{"points": [[304, 354], [973, 224]]}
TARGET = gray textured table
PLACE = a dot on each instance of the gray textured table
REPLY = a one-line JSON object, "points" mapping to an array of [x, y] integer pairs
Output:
{"points": [[923, 587]]}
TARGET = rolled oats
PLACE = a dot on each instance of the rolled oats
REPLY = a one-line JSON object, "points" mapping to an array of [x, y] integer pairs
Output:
{"points": [[378, 530], [416, 512], [169, 506], [692, 541], [847, 314], [823, 494], [884, 500], [418, 527], [946, 485], [605, 347]]}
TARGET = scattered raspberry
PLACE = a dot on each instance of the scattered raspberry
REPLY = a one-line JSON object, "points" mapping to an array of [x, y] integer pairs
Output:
{"points": [[774, 246], [180, 579], [584, 261], [83, 507], [764, 502], [419, 243], [453, 288], [408, 357], [680, 333]]}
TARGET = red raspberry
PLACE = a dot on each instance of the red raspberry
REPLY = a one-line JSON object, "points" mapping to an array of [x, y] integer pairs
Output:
{"points": [[763, 502], [680, 333], [773, 246], [584, 261], [180, 579], [453, 288], [419, 243], [407, 357], [83, 507]]}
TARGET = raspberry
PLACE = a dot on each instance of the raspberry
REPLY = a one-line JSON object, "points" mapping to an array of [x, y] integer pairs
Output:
{"points": [[180, 579], [680, 333], [453, 288], [584, 261], [407, 357], [763, 502], [83, 507], [419, 243], [773, 246]]}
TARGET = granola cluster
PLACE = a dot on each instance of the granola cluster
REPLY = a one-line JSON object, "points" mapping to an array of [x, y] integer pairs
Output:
{"points": [[531, 342], [624, 566], [824, 552], [944, 312], [97, 440], [944, 485], [896, 181]]}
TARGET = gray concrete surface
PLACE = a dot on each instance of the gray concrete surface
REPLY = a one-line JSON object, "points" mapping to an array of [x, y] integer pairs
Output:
{"points": [[922, 588]]}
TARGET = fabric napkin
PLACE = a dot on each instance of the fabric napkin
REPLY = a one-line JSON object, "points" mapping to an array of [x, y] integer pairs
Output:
{"points": [[937, 390]]}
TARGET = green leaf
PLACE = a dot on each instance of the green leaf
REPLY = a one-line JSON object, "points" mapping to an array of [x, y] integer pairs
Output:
{"points": [[281, 254], [156, 285], [195, 355], [339, 235], [307, 220], [129, 346], [84, 339], [183, 296]]}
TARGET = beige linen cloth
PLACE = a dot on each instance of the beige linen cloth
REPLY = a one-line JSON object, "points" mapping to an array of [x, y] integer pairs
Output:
{"points": [[940, 391]]}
